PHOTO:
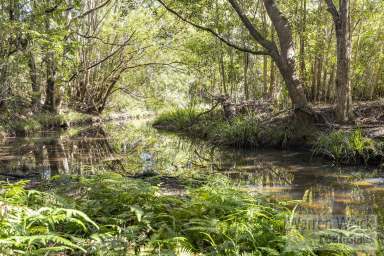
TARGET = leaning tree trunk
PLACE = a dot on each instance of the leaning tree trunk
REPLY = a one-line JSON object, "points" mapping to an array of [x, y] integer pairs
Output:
{"points": [[341, 19], [283, 56], [285, 59]]}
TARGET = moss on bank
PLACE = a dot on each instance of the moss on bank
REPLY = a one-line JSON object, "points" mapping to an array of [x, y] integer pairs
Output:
{"points": [[112, 215], [252, 131]]}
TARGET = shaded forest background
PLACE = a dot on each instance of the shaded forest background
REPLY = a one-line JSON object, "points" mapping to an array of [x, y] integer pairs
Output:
{"points": [[92, 55]]}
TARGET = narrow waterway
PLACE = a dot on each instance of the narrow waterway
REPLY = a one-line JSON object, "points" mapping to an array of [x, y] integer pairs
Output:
{"points": [[136, 149]]}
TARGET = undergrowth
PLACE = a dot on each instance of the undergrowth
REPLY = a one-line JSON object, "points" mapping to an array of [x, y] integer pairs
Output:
{"points": [[112, 215], [349, 147], [241, 131], [177, 119], [342, 147], [26, 123]]}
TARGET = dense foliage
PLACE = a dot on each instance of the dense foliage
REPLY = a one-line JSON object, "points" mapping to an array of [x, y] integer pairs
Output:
{"points": [[82, 54], [112, 215]]}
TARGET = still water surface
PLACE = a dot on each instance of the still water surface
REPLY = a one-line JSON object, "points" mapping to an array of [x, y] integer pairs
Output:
{"points": [[135, 148]]}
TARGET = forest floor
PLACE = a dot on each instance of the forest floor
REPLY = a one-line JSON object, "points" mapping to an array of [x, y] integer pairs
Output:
{"points": [[369, 116]]}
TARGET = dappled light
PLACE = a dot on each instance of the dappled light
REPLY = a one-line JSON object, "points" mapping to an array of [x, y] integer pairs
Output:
{"points": [[206, 127]]}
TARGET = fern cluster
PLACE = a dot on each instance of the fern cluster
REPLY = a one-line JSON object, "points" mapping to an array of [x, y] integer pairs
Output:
{"points": [[27, 227], [114, 215]]}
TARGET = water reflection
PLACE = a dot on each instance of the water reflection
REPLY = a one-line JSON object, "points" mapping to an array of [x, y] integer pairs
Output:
{"points": [[52, 153], [133, 149]]}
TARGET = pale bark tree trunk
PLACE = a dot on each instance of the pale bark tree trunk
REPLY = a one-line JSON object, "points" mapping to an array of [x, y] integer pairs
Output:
{"points": [[330, 85], [265, 59], [313, 83], [272, 81], [246, 67], [319, 71], [341, 20], [50, 92], [302, 39], [222, 71], [36, 93], [284, 57], [4, 87]]}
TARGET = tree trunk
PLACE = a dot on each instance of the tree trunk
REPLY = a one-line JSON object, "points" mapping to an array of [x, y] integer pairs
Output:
{"points": [[302, 39], [343, 45], [285, 61], [246, 66], [319, 71], [313, 84], [284, 57], [50, 92], [222, 71], [36, 93], [265, 59], [330, 84]]}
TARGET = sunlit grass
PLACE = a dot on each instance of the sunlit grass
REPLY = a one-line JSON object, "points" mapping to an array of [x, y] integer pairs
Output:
{"points": [[177, 119], [348, 147], [241, 131]]}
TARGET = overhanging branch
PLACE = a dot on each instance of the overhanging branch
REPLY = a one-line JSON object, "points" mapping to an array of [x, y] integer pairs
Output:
{"points": [[221, 38]]}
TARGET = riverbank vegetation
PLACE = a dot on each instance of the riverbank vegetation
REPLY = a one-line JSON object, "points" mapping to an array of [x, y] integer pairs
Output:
{"points": [[349, 147]]}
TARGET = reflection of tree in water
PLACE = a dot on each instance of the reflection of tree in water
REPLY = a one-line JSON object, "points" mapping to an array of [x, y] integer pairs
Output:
{"points": [[92, 151], [323, 190], [51, 154]]}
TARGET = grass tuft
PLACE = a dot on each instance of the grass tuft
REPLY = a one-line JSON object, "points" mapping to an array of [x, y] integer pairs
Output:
{"points": [[177, 119], [348, 147]]}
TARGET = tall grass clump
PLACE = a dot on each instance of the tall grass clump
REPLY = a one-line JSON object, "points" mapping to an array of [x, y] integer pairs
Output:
{"points": [[348, 147], [242, 131], [177, 119]]}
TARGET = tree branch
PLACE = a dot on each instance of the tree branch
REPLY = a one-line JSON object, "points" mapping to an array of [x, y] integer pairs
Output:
{"points": [[94, 9], [227, 42], [268, 45], [103, 59], [332, 9], [153, 63]]}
